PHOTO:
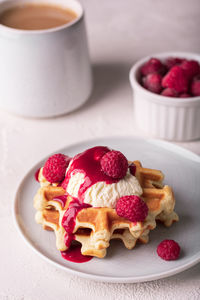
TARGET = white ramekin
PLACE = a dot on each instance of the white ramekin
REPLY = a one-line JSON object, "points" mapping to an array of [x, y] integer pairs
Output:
{"points": [[163, 117]]}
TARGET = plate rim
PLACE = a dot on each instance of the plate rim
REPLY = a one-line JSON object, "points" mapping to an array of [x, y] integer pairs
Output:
{"points": [[101, 278]]}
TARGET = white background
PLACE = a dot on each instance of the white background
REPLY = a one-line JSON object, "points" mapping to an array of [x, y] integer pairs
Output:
{"points": [[119, 33]]}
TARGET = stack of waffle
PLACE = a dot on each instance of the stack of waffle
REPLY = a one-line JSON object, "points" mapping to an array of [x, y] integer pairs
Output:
{"points": [[95, 227]]}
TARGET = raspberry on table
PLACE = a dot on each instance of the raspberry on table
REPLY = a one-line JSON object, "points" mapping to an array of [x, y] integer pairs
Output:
{"points": [[153, 65], [176, 79], [114, 164], [168, 250], [132, 208], [55, 167], [152, 82]]}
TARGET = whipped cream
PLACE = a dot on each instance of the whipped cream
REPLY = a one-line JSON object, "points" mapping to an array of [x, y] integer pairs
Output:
{"points": [[102, 194]]}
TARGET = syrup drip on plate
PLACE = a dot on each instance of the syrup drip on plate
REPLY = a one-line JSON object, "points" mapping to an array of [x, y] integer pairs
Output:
{"points": [[73, 253]]}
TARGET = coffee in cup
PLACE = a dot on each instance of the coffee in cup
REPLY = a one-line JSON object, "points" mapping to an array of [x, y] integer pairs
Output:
{"points": [[36, 16]]}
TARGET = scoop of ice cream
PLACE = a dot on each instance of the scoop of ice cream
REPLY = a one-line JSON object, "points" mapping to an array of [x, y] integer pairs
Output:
{"points": [[102, 194]]}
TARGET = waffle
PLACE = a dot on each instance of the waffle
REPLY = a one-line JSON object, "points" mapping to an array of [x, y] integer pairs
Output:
{"points": [[95, 227]]}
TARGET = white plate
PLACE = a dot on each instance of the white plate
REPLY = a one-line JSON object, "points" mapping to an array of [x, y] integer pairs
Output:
{"points": [[182, 172]]}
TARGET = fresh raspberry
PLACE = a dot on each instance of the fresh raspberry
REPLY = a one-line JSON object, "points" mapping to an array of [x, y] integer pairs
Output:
{"points": [[176, 79], [55, 167], [191, 68], [168, 250], [173, 61], [195, 86], [132, 208], [114, 164], [185, 95], [169, 93], [152, 82], [153, 65]]}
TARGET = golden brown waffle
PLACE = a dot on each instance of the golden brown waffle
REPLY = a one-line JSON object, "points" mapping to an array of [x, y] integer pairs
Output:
{"points": [[95, 227]]}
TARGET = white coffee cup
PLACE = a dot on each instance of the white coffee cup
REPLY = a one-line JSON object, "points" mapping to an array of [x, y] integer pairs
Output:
{"points": [[44, 73]]}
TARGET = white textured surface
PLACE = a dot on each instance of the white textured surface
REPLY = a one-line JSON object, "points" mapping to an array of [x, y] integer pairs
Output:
{"points": [[118, 33]]}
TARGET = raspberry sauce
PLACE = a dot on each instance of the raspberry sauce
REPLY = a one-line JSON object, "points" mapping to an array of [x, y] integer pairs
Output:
{"points": [[88, 163], [37, 175], [61, 199], [68, 220], [73, 253]]}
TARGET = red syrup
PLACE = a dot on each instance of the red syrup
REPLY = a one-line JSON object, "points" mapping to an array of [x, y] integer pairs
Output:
{"points": [[73, 253], [88, 163], [61, 199], [37, 175], [68, 220]]}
